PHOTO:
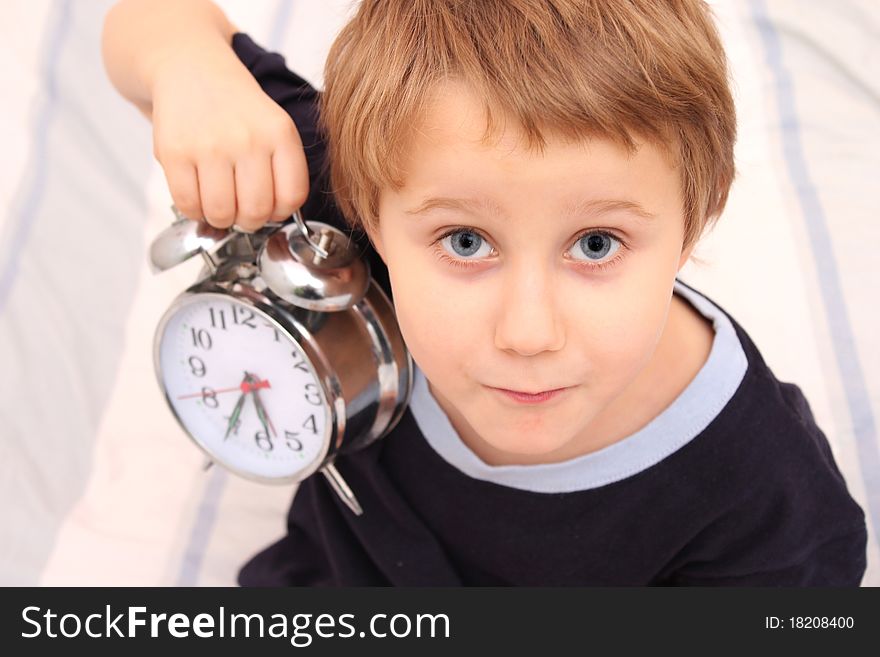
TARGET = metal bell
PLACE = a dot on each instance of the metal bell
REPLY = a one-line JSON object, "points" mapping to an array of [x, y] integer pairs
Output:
{"points": [[183, 239], [314, 266]]}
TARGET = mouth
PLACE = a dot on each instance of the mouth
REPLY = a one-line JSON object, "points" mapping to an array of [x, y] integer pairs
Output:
{"points": [[529, 397]]}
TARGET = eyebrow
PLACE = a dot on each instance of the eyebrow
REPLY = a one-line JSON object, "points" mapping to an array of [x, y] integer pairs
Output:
{"points": [[450, 203], [477, 205]]}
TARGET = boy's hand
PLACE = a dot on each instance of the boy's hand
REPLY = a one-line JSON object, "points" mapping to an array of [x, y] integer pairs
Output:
{"points": [[229, 152]]}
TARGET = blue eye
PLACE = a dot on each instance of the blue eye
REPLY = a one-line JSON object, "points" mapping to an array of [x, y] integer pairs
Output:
{"points": [[464, 243], [459, 246], [597, 245]]}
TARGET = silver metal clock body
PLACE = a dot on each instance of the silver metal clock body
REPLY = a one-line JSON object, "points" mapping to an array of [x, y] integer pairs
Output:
{"points": [[349, 373]]}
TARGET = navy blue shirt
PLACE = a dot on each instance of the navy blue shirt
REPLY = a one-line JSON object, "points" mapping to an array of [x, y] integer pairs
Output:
{"points": [[734, 484]]}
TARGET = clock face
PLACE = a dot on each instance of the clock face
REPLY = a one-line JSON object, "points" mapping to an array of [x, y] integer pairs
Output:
{"points": [[242, 387]]}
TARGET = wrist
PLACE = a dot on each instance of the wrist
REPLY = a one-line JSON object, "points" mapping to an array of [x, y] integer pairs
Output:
{"points": [[188, 56], [193, 33]]}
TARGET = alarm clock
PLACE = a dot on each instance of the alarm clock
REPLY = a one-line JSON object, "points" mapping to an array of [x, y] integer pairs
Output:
{"points": [[284, 354]]}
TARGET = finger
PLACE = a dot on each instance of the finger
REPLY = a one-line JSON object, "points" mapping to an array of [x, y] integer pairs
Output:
{"points": [[183, 184], [253, 191], [291, 179], [217, 192]]}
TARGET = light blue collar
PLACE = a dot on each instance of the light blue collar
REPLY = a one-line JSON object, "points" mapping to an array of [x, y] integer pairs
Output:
{"points": [[682, 420]]}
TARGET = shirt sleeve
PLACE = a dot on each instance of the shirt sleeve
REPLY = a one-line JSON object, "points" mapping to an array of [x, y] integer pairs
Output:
{"points": [[298, 559], [838, 562], [319, 550], [791, 520]]}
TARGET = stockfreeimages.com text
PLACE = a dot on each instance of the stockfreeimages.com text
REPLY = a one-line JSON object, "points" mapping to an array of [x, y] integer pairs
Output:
{"points": [[136, 622]]}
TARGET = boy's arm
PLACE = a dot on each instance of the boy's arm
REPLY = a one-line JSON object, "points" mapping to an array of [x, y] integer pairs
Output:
{"points": [[141, 36], [230, 155]]}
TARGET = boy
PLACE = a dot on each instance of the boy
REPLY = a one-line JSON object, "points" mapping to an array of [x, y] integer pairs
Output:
{"points": [[529, 178]]}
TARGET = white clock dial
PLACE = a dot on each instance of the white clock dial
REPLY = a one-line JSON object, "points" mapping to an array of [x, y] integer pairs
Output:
{"points": [[242, 387]]}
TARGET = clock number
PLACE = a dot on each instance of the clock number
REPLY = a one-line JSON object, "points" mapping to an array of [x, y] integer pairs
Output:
{"points": [[263, 439], [250, 316], [292, 441], [197, 366], [209, 397], [277, 335], [201, 338], [311, 424], [219, 318], [301, 365], [313, 397]]}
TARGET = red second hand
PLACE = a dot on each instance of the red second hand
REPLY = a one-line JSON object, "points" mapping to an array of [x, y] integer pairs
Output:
{"points": [[244, 387]]}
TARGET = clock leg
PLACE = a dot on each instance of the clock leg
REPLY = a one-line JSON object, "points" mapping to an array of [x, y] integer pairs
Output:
{"points": [[341, 488]]}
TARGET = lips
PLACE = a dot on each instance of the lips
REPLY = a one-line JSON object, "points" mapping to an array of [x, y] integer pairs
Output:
{"points": [[529, 398]]}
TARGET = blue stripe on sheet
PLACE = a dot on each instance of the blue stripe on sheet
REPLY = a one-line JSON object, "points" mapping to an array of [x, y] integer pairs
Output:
{"points": [[73, 179], [25, 211], [206, 516], [854, 383], [280, 23]]}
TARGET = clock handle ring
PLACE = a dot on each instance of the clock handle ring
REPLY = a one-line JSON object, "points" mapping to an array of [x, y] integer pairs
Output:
{"points": [[306, 233]]}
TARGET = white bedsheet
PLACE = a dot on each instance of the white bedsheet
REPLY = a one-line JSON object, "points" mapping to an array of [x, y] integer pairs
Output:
{"points": [[97, 483]]}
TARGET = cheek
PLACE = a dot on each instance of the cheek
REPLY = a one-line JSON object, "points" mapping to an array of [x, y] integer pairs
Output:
{"points": [[619, 341], [438, 325]]}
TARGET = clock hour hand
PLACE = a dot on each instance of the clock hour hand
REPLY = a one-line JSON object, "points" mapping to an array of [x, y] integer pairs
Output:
{"points": [[236, 412]]}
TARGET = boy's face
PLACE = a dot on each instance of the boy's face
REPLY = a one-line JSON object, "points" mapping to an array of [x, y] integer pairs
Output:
{"points": [[530, 309]]}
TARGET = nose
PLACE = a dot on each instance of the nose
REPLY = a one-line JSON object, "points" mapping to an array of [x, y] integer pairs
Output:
{"points": [[528, 317]]}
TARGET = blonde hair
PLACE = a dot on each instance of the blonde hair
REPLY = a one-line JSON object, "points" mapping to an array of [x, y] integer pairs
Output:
{"points": [[578, 69]]}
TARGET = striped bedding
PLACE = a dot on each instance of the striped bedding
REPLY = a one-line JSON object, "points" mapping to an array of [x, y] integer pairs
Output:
{"points": [[98, 486]]}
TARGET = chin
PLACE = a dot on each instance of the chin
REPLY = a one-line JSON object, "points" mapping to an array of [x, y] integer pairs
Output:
{"points": [[526, 443]]}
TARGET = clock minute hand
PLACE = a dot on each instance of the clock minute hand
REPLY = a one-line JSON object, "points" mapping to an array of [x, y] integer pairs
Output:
{"points": [[261, 410]]}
